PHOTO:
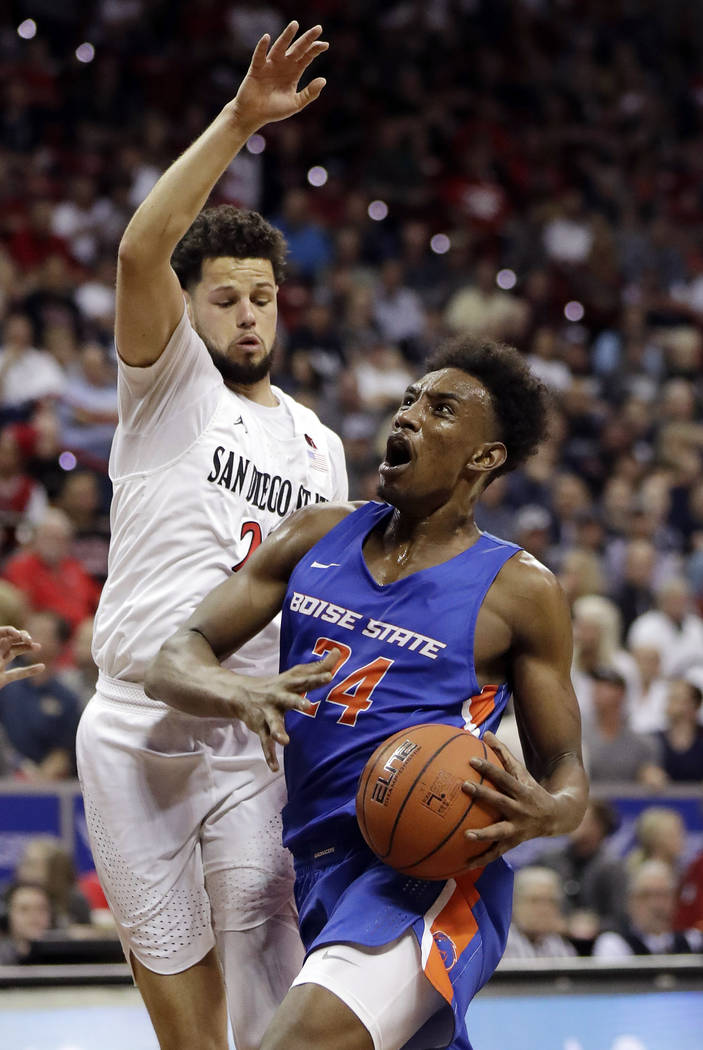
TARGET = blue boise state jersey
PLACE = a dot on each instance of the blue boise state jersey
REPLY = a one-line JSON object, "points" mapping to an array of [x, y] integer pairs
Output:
{"points": [[407, 657]]}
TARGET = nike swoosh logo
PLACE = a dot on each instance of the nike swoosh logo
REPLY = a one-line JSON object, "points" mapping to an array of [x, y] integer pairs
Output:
{"points": [[327, 954], [320, 565]]}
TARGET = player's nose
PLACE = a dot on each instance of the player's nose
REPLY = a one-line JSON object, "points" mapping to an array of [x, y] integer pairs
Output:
{"points": [[407, 417], [246, 318]]}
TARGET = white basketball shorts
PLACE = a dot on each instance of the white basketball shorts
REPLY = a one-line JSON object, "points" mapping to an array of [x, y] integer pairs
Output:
{"points": [[387, 989], [184, 819]]}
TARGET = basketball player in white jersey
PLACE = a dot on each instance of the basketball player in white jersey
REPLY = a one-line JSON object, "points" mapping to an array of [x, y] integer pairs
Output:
{"points": [[183, 813]]}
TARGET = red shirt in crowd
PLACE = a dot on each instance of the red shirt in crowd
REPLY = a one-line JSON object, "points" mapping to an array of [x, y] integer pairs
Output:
{"points": [[66, 588]]}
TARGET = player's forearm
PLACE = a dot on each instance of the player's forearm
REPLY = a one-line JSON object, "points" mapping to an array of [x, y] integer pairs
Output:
{"points": [[174, 202], [187, 675], [568, 785]]}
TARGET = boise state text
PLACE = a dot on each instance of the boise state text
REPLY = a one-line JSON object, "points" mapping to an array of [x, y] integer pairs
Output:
{"points": [[390, 633], [266, 491]]}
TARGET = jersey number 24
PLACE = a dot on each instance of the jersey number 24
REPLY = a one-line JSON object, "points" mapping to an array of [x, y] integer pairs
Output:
{"points": [[353, 693]]}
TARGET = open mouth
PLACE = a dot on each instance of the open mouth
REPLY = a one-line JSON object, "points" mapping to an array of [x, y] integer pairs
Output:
{"points": [[249, 342], [398, 453]]}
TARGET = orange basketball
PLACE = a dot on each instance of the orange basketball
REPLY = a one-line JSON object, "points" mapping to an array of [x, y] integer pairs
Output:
{"points": [[410, 806]]}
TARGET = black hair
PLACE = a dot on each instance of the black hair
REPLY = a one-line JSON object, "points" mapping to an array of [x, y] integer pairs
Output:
{"points": [[228, 231], [520, 400]]}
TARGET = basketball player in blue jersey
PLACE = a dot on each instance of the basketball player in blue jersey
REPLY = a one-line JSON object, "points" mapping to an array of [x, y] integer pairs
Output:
{"points": [[416, 617]]}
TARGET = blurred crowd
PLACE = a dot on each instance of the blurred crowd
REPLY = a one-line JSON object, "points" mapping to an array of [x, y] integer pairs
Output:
{"points": [[527, 170]]}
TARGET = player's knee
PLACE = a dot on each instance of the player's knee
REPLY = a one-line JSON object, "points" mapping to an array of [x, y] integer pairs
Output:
{"points": [[243, 897], [313, 1018]]}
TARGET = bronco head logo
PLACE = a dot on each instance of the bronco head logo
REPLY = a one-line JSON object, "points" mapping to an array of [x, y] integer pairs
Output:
{"points": [[446, 948]]}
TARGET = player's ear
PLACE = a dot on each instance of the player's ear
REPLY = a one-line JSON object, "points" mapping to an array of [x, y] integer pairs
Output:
{"points": [[488, 457]]}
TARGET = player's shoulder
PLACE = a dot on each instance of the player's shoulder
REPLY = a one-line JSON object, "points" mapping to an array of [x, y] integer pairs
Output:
{"points": [[527, 588], [313, 522], [297, 534]]}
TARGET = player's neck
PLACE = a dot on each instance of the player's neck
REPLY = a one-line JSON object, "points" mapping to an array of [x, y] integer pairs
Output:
{"points": [[261, 393], [448, 525]]}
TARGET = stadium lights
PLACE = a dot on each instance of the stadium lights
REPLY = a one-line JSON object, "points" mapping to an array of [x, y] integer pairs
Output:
{"points": [[574, 311], [378, 210], [256, 144], [317, 176], [27, 29], [506, 279], [440, 244], [67, 461], [85, 52]]}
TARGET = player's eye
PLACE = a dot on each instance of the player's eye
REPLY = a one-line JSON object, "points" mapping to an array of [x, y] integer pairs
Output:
{"points": [[444, 408], [261, 302]]}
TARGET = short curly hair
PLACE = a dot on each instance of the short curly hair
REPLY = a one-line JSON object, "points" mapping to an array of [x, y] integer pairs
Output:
{"points": [[228, 231], [520, 401]]}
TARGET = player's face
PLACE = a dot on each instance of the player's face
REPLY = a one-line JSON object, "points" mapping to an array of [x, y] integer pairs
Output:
{"points": [[443, 434], [233, 309]]}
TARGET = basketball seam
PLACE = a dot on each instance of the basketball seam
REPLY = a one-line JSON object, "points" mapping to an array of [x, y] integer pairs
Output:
{"points": [[408, 795], [361, 791], [408, 867]]}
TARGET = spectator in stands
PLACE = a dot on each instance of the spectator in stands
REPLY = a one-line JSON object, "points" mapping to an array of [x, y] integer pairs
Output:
{"points": [[40, 715], [45, 862], [593, 880], [22, 499], [648, 695], [482, 308], [681, 742], [80, 499], [689, 910], [674, 628], [82, 675], [398, 310], [614, 751], [309, 245], [597, 645], [26, 373], [538, 923], [660, 834], [88, 406], [27, 918], [50, 576], [635, 594], [649, 929]]}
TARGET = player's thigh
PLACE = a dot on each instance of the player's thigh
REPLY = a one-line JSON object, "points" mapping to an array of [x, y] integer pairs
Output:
{"points": [[144, 803], [248, 873], [373, 997]]}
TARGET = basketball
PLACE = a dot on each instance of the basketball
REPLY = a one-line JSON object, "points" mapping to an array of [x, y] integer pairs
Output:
{"points": [[410, 806]]}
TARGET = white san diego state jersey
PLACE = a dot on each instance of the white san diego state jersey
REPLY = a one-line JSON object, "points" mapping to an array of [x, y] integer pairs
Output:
{"points": [[198, 483]]}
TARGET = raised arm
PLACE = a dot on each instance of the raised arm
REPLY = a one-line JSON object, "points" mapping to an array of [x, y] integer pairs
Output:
{"points": [[187, 673], [548, 796], [149, 297]]}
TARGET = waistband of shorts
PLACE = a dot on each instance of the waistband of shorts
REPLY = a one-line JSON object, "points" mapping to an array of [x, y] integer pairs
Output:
{"points": [[127, 693]]}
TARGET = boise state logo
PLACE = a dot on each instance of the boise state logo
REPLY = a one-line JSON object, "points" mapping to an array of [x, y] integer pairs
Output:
{"points": [[446, 948]]}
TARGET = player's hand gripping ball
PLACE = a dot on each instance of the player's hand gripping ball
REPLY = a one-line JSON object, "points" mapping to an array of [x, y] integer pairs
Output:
{"points": [[410, 805]]}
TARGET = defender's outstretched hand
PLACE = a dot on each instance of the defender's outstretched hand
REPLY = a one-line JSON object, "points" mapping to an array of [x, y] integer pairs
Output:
{"points": [[526, 807], [13, 643], [269, 91], [263, 702]]}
